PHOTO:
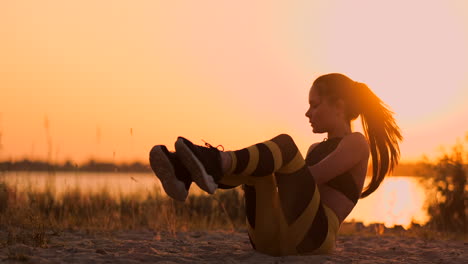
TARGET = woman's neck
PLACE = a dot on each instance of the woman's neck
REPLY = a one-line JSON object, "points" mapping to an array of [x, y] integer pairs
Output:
{"points": [[339, 131]]}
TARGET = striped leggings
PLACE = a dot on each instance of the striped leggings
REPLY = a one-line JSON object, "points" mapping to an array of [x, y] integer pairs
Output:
{"points": [[280, 223]]}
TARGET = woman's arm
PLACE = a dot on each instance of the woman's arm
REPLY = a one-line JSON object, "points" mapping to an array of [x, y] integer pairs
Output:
{"points": [[352, 149]]}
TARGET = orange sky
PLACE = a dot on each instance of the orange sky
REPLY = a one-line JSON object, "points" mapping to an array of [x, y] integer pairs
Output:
{"points": [[110, 79]]}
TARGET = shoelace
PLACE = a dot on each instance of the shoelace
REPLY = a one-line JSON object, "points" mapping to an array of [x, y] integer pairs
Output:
{"points": [[208, 145]]}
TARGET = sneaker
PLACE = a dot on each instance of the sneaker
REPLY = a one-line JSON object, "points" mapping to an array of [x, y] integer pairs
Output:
{"points": [[174, 177], [204, 163]]}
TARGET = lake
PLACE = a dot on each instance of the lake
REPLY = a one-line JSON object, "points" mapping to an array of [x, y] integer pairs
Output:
{"points": [[398, 201]]}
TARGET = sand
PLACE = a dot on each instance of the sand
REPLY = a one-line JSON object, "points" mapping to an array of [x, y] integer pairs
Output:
{"points": [[223, 247]]}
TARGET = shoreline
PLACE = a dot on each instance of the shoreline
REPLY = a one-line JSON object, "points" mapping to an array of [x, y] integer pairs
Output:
{"points": [[406, 169]]}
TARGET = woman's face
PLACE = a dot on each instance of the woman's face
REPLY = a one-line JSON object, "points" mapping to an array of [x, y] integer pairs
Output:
{"points": [[323, 116]]}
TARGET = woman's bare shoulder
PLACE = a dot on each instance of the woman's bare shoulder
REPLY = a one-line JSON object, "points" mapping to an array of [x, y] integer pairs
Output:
{"points": [[356, 141], [357, 136]]}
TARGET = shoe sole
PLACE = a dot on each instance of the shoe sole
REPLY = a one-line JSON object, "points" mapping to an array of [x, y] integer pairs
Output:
{"points": [[165, 172], [196, 168]]}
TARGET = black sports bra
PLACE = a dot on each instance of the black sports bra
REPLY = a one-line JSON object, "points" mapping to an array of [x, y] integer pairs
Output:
{"points": [[343, 183]]}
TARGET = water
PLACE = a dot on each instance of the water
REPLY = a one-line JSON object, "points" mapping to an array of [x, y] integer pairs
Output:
{"points": [[398, 201]]}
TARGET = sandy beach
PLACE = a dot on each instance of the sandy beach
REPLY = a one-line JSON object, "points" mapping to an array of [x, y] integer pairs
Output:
{"points": [[223, 247]]}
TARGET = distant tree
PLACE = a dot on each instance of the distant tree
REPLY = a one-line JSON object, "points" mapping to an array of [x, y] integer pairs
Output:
{"points": [[447, 202], [91, 165]]}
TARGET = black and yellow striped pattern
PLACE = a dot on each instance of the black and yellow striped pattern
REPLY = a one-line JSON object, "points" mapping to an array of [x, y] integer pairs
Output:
{"points": [[312, 232]]}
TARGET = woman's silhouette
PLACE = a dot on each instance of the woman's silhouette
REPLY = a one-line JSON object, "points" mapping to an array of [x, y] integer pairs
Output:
{"points": [[296, 205]]}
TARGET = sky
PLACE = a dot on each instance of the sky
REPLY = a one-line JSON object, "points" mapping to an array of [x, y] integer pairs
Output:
{"points": [[107, 80]]}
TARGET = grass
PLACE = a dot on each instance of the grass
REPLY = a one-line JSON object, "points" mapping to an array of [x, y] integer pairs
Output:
{"points": [[33, 217], [26, 216]]}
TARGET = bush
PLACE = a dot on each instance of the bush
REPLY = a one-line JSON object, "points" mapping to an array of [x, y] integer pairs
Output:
{"points": [[447, 191]]}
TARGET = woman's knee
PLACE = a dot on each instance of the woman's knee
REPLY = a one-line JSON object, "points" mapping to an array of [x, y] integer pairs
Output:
{"points": [[283, 138], [287, 146]]}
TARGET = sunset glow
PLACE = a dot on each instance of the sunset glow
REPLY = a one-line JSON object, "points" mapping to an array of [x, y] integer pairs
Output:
{"points": [[110, 79], [398, 201]]}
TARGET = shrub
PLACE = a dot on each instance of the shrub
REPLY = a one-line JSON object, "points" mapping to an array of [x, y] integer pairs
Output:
{"points": [[447, 191]]}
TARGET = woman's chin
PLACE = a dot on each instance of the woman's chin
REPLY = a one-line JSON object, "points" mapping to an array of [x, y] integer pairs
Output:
{"points": [[317, 130]]}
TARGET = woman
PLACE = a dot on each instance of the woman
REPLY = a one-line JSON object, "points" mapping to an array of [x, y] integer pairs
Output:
{"points": [[296, 205]]}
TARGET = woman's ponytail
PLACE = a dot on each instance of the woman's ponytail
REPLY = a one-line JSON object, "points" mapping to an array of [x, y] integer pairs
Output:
{"points": [[382, 132]]}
